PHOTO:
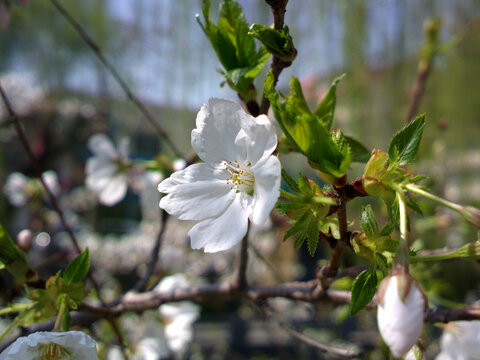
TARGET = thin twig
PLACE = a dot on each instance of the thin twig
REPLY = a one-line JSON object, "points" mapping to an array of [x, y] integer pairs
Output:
{"points": [[241, 276], [344, 353], [51, 196], [277, 65], [327, 273], [109, 66], [142, 284]]}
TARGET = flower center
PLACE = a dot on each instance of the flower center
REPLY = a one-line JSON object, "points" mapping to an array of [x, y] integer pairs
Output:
{"points": [[52, 351], [242, 178]]}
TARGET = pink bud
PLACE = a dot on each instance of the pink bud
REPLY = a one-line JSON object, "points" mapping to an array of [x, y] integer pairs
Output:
{"points": [[401, 307], [24, 239]]}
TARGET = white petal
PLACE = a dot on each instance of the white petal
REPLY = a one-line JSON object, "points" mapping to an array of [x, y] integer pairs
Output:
{"points": [[223, 232], [258, 137], [101, 145], [115, 190], [267, 188], [99, 173], [400, 323], [123, 146], [196, 193], [172, 282], [218, 124], [79, 344]]}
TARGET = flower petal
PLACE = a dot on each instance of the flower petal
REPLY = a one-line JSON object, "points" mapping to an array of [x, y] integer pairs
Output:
{"points": [[114, 191], [196, 193], [267, 188], [99, 172], [258, 137], [101, 145], [218, 124], [223, 232]]}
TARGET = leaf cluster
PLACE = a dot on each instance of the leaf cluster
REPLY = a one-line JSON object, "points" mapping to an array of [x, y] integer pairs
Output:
{"points": [[278, 42], [241, 60], [307, 206]]}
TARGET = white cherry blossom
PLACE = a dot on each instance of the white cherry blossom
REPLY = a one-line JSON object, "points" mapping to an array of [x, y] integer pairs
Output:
{"points": [[68, 345], [178, 316], [239, 179], [460, 341], [400, 320], [106, 169], [15, 189]]}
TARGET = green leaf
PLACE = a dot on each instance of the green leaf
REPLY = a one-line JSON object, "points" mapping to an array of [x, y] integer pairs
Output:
{"points": [[78, 268], [278, 42], [368, 222], [312, 233], [12, 257], [359, 152], [290, 182], [326, 108], [363, 289], [235, 49], [306, 131], [404, 145]]}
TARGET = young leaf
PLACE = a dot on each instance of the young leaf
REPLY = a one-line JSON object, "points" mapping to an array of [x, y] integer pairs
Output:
{"points": [[78, 268], [368, 222], [404, 145], [363, 289], [327, 107], [235, 49], [278, 42], [359, 152], [307, 133], [290, 182]]}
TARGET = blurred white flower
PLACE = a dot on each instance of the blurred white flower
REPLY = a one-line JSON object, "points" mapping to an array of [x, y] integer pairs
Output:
{"points": [[106, 169], [51, 180], [151, 348], [460, 341], [401, 307], [239, 179], [52, 345], [23, 92], [15, 189], [20, 188], [178, 316], [149, 195], [179, 164]]}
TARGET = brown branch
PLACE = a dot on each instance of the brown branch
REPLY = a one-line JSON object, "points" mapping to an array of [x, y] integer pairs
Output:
{"points": [[277, 65], [446, 315], [241, 276], [327, 273], [418, 88], [143, 282], [109, 66], [345, 353]]}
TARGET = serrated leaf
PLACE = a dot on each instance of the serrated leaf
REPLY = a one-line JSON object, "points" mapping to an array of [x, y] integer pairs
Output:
{"points": [[363, 289], [413, 205], [368, 222], [78, 268], [292, 184], [306, 131], [312, 233], [235, 49], [326, 108], [404, 145], [278, 42], [359, 152]]}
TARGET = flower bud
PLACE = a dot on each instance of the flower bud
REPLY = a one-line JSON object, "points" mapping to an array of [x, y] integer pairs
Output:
{"points": [[401, 307], [25, 239]]}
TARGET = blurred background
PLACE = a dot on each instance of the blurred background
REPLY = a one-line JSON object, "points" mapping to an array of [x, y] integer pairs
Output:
{"points": [[64, 95]]}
